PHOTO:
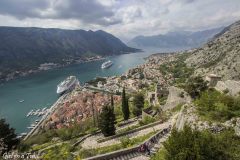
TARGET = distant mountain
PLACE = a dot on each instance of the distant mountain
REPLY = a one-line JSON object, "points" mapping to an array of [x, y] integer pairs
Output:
{"points": [[22, 49], [181, 39], [220, 56]]}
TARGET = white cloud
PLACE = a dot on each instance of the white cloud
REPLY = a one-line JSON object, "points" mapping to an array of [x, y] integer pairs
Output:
{"points": [[123, 18]]}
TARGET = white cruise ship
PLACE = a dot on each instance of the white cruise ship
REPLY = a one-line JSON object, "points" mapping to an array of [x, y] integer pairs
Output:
{"points": [[67, 85], [107, 64]]}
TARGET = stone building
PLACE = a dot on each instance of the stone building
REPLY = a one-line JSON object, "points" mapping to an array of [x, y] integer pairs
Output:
{"points": [[161, 90], [212, 80]]}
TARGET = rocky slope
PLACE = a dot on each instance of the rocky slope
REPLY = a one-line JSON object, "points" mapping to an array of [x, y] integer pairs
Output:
{"points": [[220, 56]]}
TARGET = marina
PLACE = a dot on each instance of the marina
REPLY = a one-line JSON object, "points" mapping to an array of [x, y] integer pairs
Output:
{"points": [[38, 112], [38, 123]]}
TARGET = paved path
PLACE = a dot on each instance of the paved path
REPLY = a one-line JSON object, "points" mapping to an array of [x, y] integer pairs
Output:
{"points": [[157, 146], [91, 142]]}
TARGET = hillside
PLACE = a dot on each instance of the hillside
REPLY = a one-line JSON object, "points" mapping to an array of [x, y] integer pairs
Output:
{"points": [[180, 39], [220, 56], [23, 49]]}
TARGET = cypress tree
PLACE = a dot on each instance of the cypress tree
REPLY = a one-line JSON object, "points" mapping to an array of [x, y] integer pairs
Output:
{"points": [[125, 107], [107, 121], [112, 102], [138, 102]]}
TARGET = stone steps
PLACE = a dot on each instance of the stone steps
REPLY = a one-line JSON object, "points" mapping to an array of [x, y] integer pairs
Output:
{"points": [[127, 156]]}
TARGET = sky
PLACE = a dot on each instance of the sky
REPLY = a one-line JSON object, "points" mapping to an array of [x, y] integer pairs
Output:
{"points": [[122, 18]]}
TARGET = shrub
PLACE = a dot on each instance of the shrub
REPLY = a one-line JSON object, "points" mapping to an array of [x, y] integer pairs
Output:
{"points": [[195, 86], [191, 144], [125, 142], [218, 107], [146, 120], [138, 104]]}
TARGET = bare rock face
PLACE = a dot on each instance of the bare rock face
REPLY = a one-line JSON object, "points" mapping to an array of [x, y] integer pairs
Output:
{"points": [[188, 116], [176, 96], [230, 86], [220, 56], [237, 127]]}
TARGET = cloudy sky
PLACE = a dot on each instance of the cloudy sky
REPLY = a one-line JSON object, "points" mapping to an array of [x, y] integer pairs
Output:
{"points": [[123, 18]]}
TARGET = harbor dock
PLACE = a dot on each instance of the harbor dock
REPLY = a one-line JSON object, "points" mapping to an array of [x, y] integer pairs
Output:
{"points": [[46, 114]]}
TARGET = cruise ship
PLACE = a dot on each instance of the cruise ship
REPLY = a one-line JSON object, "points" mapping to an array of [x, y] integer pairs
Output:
{"points": [[107, 64], [67, 84]]}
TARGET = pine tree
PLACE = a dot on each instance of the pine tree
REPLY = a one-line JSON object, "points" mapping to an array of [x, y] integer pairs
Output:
{"points": [[7, 136], [125, 107], [107, 121]]}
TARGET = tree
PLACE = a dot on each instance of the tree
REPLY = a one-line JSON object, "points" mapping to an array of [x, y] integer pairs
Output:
{"points": [[195, 86], [125, 106], [7, 136], [112, 102], [191, 144], [138, 104], [107, 121]]}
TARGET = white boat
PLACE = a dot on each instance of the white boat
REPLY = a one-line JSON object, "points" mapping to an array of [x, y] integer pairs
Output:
{"points": [[30, 113], [23, 134], [67, 85], [107, 64], [21, 101]]}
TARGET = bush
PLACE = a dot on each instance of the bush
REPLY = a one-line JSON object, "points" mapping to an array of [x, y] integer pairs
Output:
{"points": [[191, 144], [125, 142], [216, 106], [77, 130], [147, 120], [138, 104], [195, 86], [62, 152]]}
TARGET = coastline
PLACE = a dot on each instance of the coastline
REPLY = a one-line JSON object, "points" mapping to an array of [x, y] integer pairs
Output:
{"points": [[18, 74]]}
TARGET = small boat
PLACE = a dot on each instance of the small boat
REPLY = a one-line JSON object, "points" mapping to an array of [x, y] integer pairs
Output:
{"points": [[33, 125], [30, 113], [23, 134], [19, 137], [21, 101], [30, 127]]}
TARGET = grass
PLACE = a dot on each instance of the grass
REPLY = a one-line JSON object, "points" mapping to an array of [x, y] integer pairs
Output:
{"points": [[159, 155], [177, 108], [63, 134], [128, 128]]}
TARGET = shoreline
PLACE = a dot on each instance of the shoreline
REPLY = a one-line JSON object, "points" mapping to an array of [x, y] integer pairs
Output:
{"points": [[30, 72]]}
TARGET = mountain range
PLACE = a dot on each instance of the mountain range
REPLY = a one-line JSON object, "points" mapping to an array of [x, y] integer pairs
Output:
{"points": [[178, 39], [23, 49]]}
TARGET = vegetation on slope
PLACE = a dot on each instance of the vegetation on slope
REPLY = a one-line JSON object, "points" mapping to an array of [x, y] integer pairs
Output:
{"points": [[191, 144], [216, 106], [8, 138], [177, 68]]}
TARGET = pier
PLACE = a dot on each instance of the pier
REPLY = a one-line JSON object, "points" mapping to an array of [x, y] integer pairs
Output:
{"points": [[38, 112], [45, 116]]}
